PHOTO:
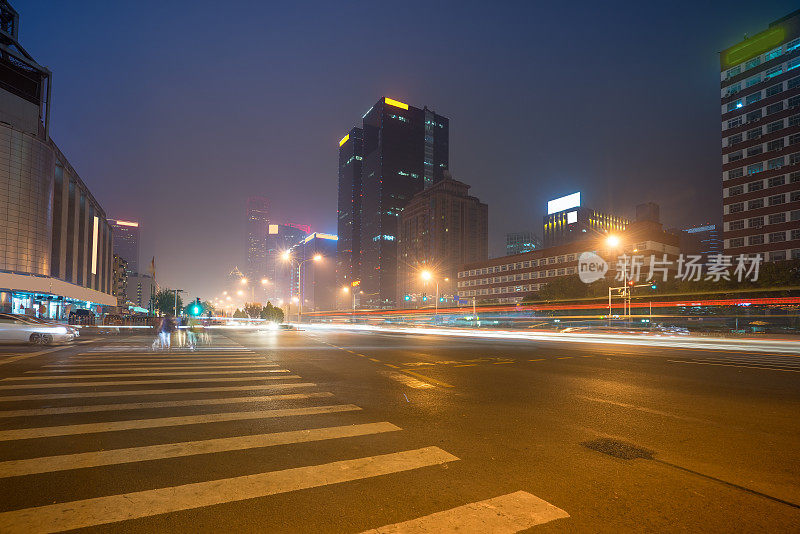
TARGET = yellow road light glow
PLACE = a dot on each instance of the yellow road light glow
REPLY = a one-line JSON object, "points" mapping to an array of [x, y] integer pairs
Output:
{"points": [[264, 281], [344, 139], [612, 241], [285, 255], [426, 275], [345, 290], [244, 280], [317, 257], [395, 103]]}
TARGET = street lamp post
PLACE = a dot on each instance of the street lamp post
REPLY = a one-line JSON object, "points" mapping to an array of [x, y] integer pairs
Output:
{"points": [[288, 257], [426, 275]]}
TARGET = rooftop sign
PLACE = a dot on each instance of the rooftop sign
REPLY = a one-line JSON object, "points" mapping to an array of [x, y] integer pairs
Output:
{"points": [[564, 203]]}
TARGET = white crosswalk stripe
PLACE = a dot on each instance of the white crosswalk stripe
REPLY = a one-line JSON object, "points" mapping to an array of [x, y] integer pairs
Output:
{"points": [[260, 391]]}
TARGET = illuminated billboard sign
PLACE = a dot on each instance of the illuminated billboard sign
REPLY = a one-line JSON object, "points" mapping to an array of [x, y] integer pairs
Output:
{"points": [[564, 203]]}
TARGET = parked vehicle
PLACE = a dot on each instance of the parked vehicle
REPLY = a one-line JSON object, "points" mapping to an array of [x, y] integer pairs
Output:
{"points": [[16, 329]]}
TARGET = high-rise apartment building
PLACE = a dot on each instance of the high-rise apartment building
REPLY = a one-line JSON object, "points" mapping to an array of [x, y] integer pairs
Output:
{"points": [[567, 220], [348, 247], [441, 229], [760, 90], [125, 236], [520, 242], [257, 218], [405, 149]]}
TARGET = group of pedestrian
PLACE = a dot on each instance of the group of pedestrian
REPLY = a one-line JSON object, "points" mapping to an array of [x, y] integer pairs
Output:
{"points": [[187, 333]]}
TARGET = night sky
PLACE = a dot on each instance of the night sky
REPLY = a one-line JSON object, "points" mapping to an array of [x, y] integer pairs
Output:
{"points": [[174, 112]]}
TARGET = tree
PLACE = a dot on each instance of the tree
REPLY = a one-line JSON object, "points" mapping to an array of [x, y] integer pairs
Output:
{"points": [[208, 308], [252, 309], [239, 314], [164, 301], [272, 313]]}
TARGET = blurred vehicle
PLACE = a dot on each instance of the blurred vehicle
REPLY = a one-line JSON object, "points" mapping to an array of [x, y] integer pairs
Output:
{"points": [[287, 327], [74, 329], [20, 329]]}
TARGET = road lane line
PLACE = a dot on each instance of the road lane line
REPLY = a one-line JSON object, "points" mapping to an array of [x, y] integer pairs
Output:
{"points": [[114, 508], [125, 375], [392, 366], [49, 464], [466, 365], [643, 409], [144, 392], [564, 358], [140, 382], [500, 363], [744, 366], [30, 355], [537, 360], [135, 424], [374, 360], [506, 514], [199, 367], [162, 404]]}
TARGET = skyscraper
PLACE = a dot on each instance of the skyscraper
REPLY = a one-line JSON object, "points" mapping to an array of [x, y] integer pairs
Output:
{"points": [[280, 238], [405, 149], [348, 247], [567, 220], [441, 229], [126, 242], [760, 91], [257, 221]]}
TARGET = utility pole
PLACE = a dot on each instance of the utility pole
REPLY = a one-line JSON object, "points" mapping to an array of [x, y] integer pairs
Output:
{"points": [[176, 300]]}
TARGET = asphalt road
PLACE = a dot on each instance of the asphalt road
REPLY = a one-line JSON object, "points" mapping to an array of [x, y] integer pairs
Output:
{"points": [[335, 431]]}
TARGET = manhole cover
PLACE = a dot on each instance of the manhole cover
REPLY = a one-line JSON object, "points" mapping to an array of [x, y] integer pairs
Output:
{"points": [[618, 449]]}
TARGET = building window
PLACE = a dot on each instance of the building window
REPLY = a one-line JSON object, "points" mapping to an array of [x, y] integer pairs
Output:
{"points": [[735, 156], [755, 240], [774, 126], [734, 139], [736, 208], [774, 108], [775, 163], [735, 71], [774, 89], [737, 190], [777, 237], [755, 168], [777, 218], [794, 82], [733, 123], [772, 54], [754, 151], [736, 104], [755, 222], [774, 71], [793, 102], [795, 234], [754, 115], [776, 181], [755, 186], [755, 204], [753, 98], [794, 120], [794, 158], [792, 64], [794, 196], [777, 144], [778, 255], [755, 133], [791, 45], [736, 225], [755, 62], [795, 215], [737, 242], [774, 200], [735, 173]]}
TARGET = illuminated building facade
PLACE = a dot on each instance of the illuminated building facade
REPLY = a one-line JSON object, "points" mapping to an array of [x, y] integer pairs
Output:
{"points": [[441, 229], [55, 240], [519, 242], [126, 242], [348, 248], [257, 220], [405, 150], [760, 107], [567, 220]]}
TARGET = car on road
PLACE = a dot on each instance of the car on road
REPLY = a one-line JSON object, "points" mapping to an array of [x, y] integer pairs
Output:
{"points": [[74, 329], [20, 329]]}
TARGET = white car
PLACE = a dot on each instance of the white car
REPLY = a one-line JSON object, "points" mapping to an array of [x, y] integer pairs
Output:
{"points": [[14, 329]]}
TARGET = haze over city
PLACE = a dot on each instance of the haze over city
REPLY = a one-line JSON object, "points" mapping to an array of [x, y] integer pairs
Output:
{"points": [[173, 113]]}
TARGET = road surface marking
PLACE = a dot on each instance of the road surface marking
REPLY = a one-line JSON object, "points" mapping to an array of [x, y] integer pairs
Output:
{"points": [[161, 404], [109, 363], [501, 515], [374, 360], [406, 380], [49, 464], [466, 365], [643, 409], [114, 508], [125, 375], [734, 365], [537, 360], [138, 392], [427, 378], [392, 366], [140, 382], [197, 367], [500, 363], [564, 358], [134, 424], [30, 355]]}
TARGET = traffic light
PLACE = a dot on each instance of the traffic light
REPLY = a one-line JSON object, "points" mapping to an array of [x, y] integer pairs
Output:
{"points": [[653, 286], [631, 283], [196, 308], [407, 298]]}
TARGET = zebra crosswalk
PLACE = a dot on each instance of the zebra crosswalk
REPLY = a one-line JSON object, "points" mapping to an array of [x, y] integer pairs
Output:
{"points": [[75, 419]]}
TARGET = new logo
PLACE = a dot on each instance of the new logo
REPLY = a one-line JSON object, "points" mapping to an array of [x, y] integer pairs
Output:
{"points": [[591, 267]]}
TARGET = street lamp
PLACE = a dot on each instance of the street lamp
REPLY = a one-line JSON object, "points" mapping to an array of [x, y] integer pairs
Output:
{"points": [[614, 242], [426, 276], [287, 256], [346, 290]]}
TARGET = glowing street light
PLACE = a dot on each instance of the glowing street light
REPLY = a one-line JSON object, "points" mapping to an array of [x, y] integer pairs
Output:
{"points": [[612, 241], [264, 281], [287, 256], [243, 281]]}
